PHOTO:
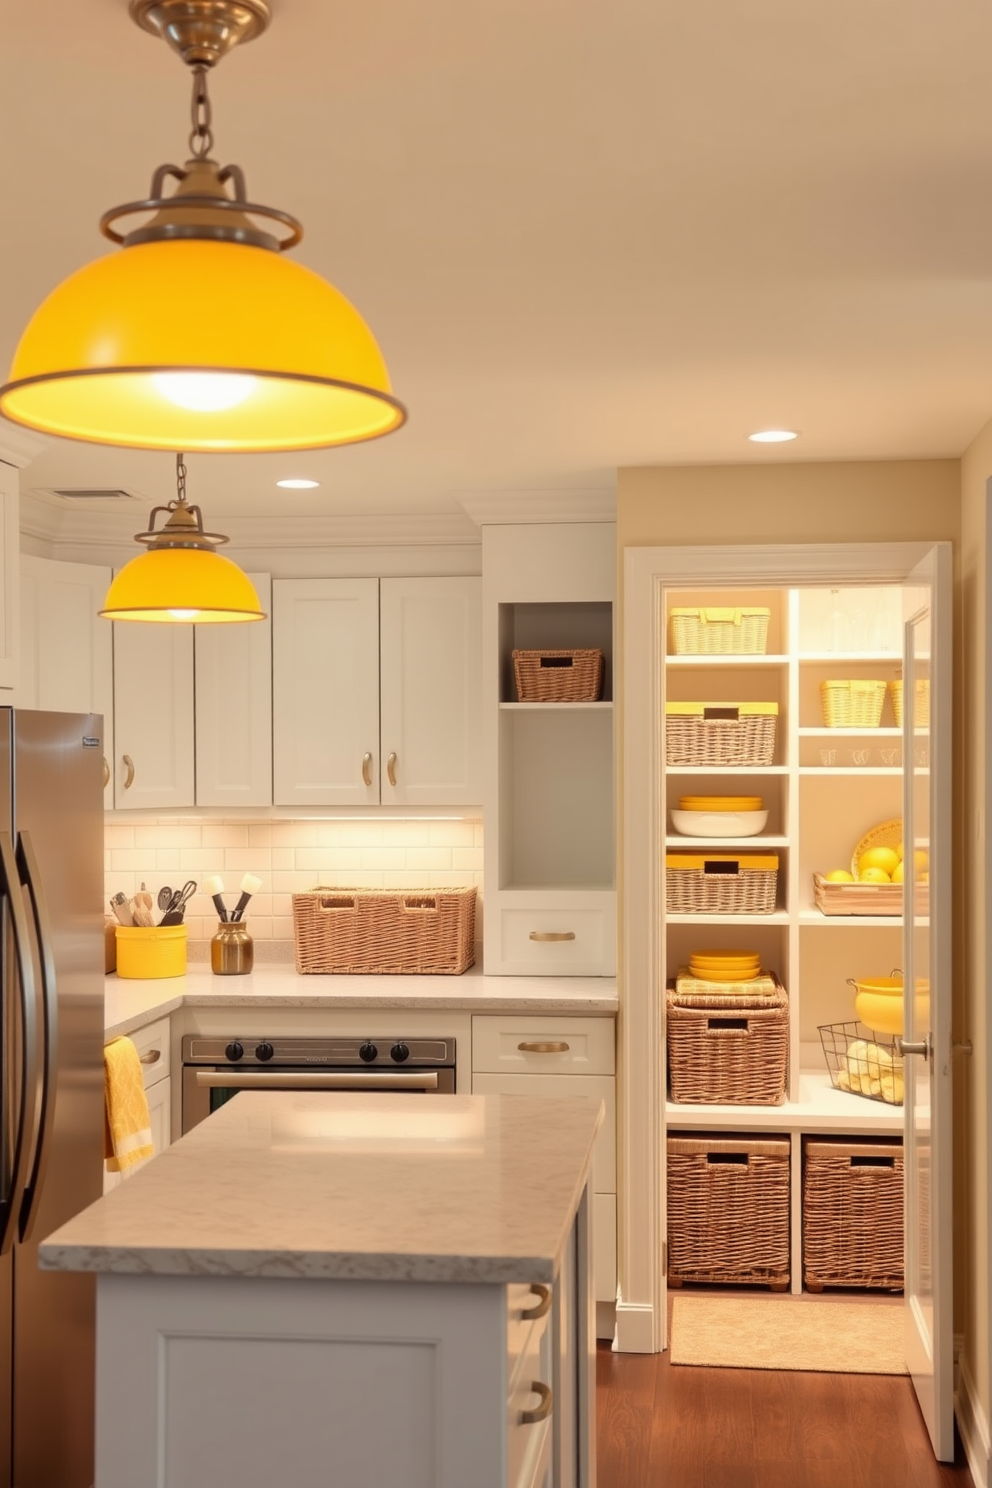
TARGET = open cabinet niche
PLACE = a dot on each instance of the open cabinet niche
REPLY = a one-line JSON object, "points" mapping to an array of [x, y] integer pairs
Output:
{"points": [[835, 613]]}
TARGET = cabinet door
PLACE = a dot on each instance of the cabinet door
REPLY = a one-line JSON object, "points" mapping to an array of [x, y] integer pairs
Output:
{"points": [[325, 692], [10, 546], [160, 1114], [153, 715], [66, 648], [233, 665], [430, 648]]}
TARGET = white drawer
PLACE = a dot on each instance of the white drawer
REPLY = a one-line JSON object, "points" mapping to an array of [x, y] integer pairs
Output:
{"points": [[510, 1044], [545, 940], [152, 1044], [526, 1441], [602, 1087], [522, 1302]]}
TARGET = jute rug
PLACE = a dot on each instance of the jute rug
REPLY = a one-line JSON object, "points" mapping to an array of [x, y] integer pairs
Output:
{"points": [[819, 1335]]}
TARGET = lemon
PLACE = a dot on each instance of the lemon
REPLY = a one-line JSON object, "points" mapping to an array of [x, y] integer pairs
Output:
{"points": [[897, 873], [839, 875], [921, 859], [878, 857], [899, 852], [874, 875]]}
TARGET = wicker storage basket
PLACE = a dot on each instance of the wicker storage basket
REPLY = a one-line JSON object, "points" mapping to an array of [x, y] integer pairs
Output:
{"points": [[728, 1210], [721, 883], [853, 1215], [358, 931], [852, 704], [723, 630], [558, 676], [921, 703], [729, 1045], [720, 733]]}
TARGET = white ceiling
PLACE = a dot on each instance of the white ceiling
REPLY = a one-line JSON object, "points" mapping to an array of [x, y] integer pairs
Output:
{"points": [[587, 233]]}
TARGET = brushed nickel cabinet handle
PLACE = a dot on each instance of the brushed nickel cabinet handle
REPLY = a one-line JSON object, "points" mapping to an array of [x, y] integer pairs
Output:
{"points": [[540, 1412], [367, 768], [549, 1046], [543, 1295], [106, 772], [152, 1057], [391, 769], [129, 766], [552, 935]]}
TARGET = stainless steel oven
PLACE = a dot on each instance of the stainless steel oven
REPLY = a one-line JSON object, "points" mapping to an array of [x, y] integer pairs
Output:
{"points": [[215, 1069]]}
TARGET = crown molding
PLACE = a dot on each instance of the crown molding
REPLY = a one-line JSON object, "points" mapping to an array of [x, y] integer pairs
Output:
{"points": [[488, 508], [18, 447]]}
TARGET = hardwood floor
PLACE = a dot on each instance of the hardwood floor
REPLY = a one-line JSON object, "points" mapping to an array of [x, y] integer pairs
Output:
{"points": [[666, 1426]]}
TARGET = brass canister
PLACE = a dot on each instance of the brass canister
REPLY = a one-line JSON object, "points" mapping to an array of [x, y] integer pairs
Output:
{"points": [[232, 951]]}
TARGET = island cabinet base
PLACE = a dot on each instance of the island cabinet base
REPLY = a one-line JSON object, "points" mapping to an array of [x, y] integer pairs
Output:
{"points": [[295, 1383]]}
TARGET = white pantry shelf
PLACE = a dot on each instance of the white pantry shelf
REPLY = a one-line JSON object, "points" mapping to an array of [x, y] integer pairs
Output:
{"points": [[556, 707], [819, 1109], [778, 917], [822, 731], [717, 844], [734, 659], [726, 769]]}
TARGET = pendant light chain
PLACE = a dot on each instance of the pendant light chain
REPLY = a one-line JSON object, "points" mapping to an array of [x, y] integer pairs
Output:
{"points": [[181, 479], [201, 140]]}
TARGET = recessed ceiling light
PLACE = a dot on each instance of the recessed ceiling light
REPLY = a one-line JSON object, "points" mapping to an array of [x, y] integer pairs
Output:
{"points": [[773, 436], [297, 485]]}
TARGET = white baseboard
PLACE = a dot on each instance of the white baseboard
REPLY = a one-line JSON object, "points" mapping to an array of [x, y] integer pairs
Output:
{"points": [[973, 1426], [636, 1333], [606, 1320]]}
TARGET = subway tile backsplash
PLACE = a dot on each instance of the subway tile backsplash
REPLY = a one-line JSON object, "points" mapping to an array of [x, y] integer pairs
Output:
{"points": [[289, 857]]}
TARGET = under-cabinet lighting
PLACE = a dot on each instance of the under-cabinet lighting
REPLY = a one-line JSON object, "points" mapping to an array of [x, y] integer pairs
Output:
{"points": [[773, 436], [297, 485]]}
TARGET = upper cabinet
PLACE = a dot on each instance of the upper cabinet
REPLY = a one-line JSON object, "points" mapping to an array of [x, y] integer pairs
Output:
{"points": [[233, 709], [376, 694], [66, 650], [549, 848], [10, 544], [153, 716]]}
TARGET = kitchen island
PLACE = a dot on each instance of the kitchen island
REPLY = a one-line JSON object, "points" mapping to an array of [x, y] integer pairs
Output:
{"points": [[314, 1288]]}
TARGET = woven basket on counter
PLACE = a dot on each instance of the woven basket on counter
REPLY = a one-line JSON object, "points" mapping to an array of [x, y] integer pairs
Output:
{"points": [[720, 733], [374, 931], [724, 630], [855, 703], [721, 883], [853, 1214], [558, 676], [728, 1210], [727, 1044]]}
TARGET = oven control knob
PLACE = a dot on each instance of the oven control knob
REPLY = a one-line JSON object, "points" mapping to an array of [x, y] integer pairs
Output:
{"points": [[234, 1050], [368, 1052], [264, 1052], [399, 1052]]}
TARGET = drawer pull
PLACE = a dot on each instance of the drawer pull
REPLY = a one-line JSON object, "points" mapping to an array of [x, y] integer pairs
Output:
{"points": [[540, 1412], [543, 1295], [552, 935], [549, 1046], [391, 769], [106, 772], [152, 1057], [129, 767]]}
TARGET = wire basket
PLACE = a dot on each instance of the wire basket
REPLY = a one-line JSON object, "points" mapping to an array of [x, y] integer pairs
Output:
{"points": [[863, 1062]]}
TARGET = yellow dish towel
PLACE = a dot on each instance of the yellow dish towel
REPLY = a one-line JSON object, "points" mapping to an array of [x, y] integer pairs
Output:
{"points": [[127, 1133]]}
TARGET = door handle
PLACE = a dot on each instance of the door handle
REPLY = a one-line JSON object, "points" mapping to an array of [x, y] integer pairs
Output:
{"points": [[391, 769], [27, 865], [129, 766], [10, 888], [541, 1411], [543, 1304], [106, 772], [924, 1047], [367, 768]]}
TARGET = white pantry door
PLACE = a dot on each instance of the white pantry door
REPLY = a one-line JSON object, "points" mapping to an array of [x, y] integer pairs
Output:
{"points": [[927, 742]]}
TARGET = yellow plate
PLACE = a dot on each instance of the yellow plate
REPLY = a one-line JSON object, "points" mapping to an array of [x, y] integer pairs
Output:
{"points": [[726, 976], [720, 803], [725, 965]]}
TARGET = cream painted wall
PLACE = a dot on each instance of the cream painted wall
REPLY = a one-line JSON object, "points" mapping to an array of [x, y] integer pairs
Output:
{"points": [[976, 469], [873, 501]]}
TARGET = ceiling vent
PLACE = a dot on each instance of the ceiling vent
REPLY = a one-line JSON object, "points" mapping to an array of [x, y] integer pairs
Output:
{"points": [[87, 493]]}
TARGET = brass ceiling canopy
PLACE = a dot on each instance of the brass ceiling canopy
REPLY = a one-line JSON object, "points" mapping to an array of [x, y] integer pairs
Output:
{"points": [[202, 31]]}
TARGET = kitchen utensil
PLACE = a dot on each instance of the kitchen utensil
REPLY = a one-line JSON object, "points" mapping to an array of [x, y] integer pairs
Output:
{"points": [[141, 907], [120, 905], [249, 885], [164, 897], [214, 886], [177, 904]]}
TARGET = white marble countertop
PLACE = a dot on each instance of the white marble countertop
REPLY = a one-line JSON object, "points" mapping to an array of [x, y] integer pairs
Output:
{"points": [[129, 1004], [458, 1188]]}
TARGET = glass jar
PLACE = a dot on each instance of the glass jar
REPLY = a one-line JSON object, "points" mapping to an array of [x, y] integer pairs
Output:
{"points": [[232, 951]]}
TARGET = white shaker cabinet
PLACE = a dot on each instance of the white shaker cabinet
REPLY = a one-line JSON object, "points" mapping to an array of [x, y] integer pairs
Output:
{"points": [[66, 649], [233, 709], [376, 691], [153, 716]]}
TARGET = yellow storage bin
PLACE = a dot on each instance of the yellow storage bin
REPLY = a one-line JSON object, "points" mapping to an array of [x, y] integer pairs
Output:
{"points": [[711, 630], [151, 950]]}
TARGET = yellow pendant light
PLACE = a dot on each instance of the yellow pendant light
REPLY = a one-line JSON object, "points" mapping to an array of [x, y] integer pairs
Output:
{"points": [[181, 580], [200, 335]]}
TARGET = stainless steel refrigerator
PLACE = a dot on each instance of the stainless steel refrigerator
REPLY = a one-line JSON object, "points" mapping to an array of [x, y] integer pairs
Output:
{"points": [[51, 1085]]}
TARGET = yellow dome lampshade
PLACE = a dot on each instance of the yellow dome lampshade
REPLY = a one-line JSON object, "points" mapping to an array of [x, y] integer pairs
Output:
{"points": [[200, 335], [181, 580]]}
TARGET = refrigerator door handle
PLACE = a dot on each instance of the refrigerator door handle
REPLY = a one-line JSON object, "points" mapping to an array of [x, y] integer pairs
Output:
{"points": [[27, 866], [10, 889]]}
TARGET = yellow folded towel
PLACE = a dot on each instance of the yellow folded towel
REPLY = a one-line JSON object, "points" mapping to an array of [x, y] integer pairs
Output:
{"points": [[127, 1133]]}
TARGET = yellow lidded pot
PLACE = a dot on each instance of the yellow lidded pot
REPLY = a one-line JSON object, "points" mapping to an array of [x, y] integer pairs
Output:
{"points": [[878, 1003]]}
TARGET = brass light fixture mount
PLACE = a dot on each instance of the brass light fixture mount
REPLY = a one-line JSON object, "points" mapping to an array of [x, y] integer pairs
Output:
{"points": [[183, 527], [202, 31]]}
